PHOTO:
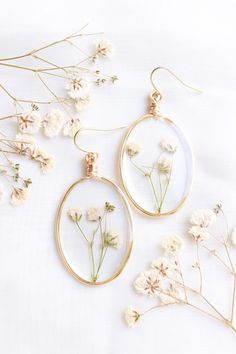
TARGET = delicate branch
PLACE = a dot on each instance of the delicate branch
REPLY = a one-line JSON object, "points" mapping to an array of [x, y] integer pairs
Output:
{"points": [[199, 265]]}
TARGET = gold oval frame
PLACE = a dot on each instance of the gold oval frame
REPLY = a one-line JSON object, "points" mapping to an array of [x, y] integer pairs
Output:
{"points": [[58, 236], [121, 172]]}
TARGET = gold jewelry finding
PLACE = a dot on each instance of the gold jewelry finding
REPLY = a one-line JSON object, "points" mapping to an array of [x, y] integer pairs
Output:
{"points": [[108, 239], [156, 179]]}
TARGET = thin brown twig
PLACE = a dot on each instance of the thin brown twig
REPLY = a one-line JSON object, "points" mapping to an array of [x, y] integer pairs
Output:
{"points": [[34, 51], [199, 266], [218, 257]]}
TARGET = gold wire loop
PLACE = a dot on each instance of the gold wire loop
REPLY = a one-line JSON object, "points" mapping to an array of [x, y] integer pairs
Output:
{"points": [[173, 74], [154, 107], [91, 130], [91, 164]]}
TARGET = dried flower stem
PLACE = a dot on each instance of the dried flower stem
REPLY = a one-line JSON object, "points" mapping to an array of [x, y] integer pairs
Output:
{"points": [[199, 266], [159, 195], [90, 241], [214, 254], [161, 279]]}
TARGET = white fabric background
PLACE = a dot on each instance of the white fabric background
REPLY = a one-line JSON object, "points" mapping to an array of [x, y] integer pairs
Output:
{"points": [[43, 309]]}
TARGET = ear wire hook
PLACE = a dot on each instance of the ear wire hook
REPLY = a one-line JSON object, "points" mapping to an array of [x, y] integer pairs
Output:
{"points": [[173, 74], [92, 130]]}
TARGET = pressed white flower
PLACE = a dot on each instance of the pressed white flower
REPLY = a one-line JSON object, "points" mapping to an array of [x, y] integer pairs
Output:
{"points": [[53, 123], [164, 165], [2, 193], [112, 239], [24, 142], [77, 88], [173, 244], [148, 283], [109, 207], [71, 127], [233, 236], [75, 214], [29, 123], [132, 149], [162, 266], [131, 316], [46, 162], [19, 196], [203, 217], [82, 102], [104, 48], [168, 145], [94, 214], [199, 233], [218, 208]]}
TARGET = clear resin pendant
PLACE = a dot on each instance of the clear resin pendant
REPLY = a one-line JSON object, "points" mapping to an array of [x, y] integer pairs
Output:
{"points": [[156, 164], [94, 228]]}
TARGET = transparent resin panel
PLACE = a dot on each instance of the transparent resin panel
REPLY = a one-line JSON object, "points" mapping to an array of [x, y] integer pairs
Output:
{"points": [[94, 230], [156, 166]]}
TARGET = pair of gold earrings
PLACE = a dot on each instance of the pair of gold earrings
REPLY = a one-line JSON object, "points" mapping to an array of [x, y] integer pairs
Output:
{"points": [[156, 170]]}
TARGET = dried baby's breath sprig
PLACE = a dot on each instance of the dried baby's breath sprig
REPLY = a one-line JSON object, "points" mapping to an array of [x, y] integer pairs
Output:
{"points": [[161, 169], [59, 114], [108, 239], [165, 280]]}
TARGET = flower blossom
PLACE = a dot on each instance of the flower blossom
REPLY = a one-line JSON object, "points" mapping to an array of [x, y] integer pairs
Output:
{"points": [[104, 48], [168, 146], [53, 123], [71, 127], [19, 196], [164, 165], [173, 244], [132, 149], [112, 239], [203, 217], [94, 214], [148, 283], [29, 123], [75, 214], [131, 316]]}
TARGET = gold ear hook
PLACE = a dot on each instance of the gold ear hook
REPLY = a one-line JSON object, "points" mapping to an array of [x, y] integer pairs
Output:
{"points": [[93, 130], [173, 74]]}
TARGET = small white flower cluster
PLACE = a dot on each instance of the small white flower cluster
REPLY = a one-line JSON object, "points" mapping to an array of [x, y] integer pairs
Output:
{"points": [[62, 118], [53, 123], [161, 280], [107, 239], [111, 238], [162, 168], [19, 196], [78, 91], [131, 316], [201, 220], [165, 279], [104, 48], [133, 149], [164, 164], [27, 146]]}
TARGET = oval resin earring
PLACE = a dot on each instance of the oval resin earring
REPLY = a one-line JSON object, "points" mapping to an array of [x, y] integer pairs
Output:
{"points": [[155, 162], [94, 227]]}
